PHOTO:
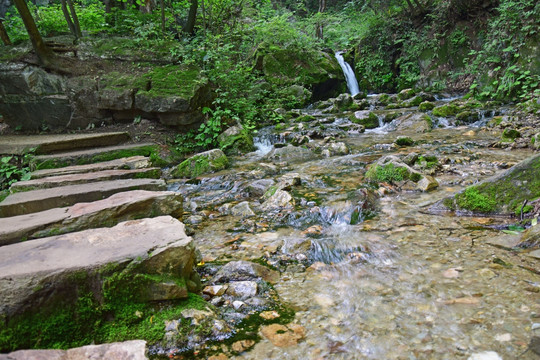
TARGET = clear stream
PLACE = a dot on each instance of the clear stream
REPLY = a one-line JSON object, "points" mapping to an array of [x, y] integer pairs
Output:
{"points": [[405, 284]]}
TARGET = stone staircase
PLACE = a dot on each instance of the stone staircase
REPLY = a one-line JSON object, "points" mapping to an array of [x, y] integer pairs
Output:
{"points": [[85, 216]]}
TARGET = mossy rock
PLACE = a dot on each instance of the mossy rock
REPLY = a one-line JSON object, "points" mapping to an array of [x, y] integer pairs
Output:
{"points": [[390, 169], [236, 140], [368, 120], [203, 163], [305, 118], [406, 94], [468, 116], [510, 135], [535, 141], [426, 106], [501, 194], [404, 141], [446, 110]]}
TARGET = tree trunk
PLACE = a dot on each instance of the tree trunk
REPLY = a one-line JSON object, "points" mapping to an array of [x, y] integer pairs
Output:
{"points": [[319, 27], [44, 53], [189, 28], [4, 34], [162, 5], [75, 19], [70, 24]]}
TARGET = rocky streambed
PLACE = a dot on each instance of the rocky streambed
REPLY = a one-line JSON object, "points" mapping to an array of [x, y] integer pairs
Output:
{"points": [[367, 267]]}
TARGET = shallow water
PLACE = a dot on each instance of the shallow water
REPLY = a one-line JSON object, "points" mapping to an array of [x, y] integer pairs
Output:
{"points": [[403, 285]]}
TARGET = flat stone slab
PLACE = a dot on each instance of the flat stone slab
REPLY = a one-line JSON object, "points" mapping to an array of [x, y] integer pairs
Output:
{"points": [[506, 241], [31, 271], [81, 156], [46, 144], [132, 162], [535, 254], [128, 350], [107, 212], [85, 178], [40, 200]]}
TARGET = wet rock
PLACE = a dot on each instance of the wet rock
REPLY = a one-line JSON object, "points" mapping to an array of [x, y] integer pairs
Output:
{"points": [[291, 154], [427, 183], [405, 94], [535, 140], [196, 316], [258, 302], [468, 117], [343, 101], [242, 209], [485, 355], [205, 162], [244, 271], [133, 350], [426, 106], [242, 289], [215, 290], [391, 169], [269, 315], [283, 335], [415, 122], [258, 188], [279, 200], [237, 304], [335, 149], [510, 135], [242, 345], [531, 237]]}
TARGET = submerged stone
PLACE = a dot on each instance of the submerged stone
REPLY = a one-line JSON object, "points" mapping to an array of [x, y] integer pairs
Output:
{"points": [[244, 271]]}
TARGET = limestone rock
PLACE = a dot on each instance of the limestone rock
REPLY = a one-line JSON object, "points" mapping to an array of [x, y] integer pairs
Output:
{"points": [[530, 238], [279, 200], [129, 350], [242, 209], [414, 122], [283, 335], [427, 183], [244, 271], [242, 289]]}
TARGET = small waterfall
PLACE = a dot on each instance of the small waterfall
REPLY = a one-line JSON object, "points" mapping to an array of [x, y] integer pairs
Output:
{"points": [[352, 83]]}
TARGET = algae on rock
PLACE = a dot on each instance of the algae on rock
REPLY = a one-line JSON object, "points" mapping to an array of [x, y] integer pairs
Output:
{"points": [[206, 162]]}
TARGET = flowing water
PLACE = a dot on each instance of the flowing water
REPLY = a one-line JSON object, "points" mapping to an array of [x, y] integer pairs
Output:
{"points": [[352, 83], [404, 284]]}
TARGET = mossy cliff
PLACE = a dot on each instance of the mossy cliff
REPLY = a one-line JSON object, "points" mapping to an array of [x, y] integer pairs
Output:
{"points": [[502, 194]]}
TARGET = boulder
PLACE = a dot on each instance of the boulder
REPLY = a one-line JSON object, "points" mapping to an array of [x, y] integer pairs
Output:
{"points": [[206, 162], [244, 271], [279, 200], [291, 154], [414, 122], [530, 238], [236, 140], [365, 118], [504, 193], [242, 210], [391, 169]]}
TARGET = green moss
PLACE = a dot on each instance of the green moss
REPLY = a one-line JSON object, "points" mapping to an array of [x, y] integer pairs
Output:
{"points": [[198, 165], [369, 122], [526, 209], [446, 110], [427, 161], [173, 80], [150, 150], [472, 199], [510, 135], [426, 106], [404, 141], [305, 118], [238, 144], [391, 173], [449, 203]]}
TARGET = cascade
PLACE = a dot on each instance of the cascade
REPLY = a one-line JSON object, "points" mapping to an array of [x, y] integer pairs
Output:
{"points": [[352, 83]]}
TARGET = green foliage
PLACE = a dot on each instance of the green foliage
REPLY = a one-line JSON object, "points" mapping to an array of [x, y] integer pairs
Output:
{"points": [[14, 168], [471, 199], [404, 141], [390, 173]]}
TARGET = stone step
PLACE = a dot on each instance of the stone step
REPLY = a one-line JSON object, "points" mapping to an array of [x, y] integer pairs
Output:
{"points": [[35, 273], [93, 155], [39, 200], [133, 162], [122, 206], [47, 144], [133, 350], [85, 178]]}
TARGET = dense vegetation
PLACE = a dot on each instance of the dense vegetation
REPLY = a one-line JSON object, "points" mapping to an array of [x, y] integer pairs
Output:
{"points": [[486, 47]]}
